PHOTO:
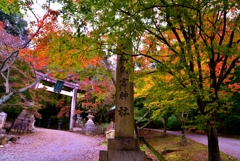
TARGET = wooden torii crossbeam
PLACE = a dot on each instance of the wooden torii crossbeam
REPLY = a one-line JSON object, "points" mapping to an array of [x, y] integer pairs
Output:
{"points": [[72, 94]]}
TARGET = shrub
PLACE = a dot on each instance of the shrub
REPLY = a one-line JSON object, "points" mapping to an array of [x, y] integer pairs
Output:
{"points": [[173, 123], [12, 112]]}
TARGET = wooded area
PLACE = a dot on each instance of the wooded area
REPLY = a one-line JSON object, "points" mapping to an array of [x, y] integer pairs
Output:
{"points": [[185, 52]]}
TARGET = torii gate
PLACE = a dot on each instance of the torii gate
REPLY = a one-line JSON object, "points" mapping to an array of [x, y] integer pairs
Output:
{"points": [[72, 94]]}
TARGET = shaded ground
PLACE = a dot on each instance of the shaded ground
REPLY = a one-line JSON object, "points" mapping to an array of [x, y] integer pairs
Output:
{"points": [[56, 145], [229, 146], [53, 145]]}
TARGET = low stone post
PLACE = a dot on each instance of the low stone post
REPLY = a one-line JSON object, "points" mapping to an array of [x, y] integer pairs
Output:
{"points": [[49, 123], [39, 122], [3, 117], [59, 124]]}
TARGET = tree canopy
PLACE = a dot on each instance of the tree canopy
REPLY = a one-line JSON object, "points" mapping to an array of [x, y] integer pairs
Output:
{"points": [[17, 75], [190, 48], [196, 43]]}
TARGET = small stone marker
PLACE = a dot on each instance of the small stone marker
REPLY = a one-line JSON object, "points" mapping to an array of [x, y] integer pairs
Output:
{"points": [[78, 126], [24, 123], [3, 117], [124, 147]]}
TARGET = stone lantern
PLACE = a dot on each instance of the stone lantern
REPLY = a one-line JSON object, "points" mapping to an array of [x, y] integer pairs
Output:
{"points": [[90, 127]]}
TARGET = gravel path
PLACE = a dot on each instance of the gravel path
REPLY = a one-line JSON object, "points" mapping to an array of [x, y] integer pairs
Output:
{"points": [[229, 146], [53, 145]]}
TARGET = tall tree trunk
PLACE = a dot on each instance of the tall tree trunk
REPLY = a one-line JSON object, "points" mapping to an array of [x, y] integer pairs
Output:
{"points": [[165, 125], [183, 133], [149, 128], [213, 147], [225, 127], [181, 119]]}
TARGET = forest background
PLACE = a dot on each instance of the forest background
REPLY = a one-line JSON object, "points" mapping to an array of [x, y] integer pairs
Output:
{"points": [[186, 57]]}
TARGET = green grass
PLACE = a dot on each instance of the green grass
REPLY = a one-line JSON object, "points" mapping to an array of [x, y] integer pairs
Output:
{"points": [[104, 143], [190, 151]]}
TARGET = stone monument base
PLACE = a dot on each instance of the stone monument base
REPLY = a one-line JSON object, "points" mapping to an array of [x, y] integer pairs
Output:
{"points": [[24, 123], [77, 129], [120, 149]]}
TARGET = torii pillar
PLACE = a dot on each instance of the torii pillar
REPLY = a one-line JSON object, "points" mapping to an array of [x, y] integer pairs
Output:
{"points": [[73, 105]]}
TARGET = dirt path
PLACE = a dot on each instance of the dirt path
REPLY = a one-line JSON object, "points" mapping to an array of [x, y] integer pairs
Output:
{"points": [[227, 145], [56, 145], [53, 145]]}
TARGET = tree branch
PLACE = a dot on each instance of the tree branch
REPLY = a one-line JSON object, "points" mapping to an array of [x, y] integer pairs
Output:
{"points": [[4, 98], [13, 54], [142, 117]]}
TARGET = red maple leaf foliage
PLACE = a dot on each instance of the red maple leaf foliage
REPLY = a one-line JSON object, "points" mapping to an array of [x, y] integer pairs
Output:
{"points": [[98, 93], [64, 109], [8, 40], [41, 31]]}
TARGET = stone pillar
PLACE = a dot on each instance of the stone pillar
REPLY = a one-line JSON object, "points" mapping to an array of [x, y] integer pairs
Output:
{"points": [[124, 146], [3, 117], [124, 116], [73, 105]]}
